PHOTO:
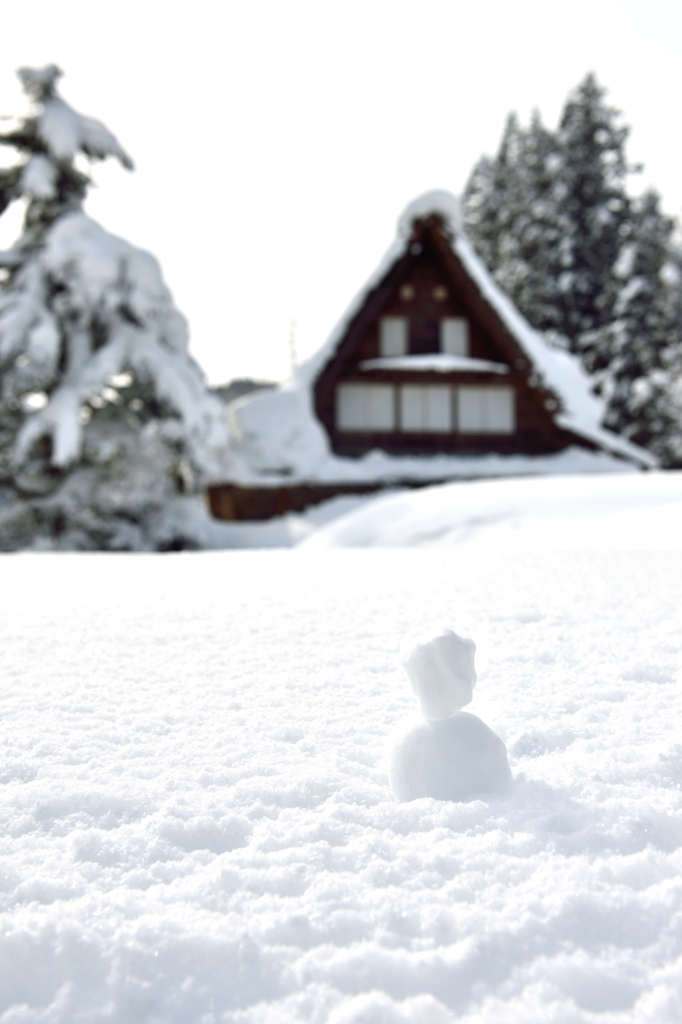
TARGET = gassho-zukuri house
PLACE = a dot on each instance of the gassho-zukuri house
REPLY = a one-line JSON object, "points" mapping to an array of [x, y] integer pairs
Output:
{"points": [[431, 375]]}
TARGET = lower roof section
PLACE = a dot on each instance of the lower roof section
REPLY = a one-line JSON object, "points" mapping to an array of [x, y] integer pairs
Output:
{"points": [[270, 495]]}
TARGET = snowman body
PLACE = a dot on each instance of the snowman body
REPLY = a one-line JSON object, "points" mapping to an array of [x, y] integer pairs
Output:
{"points": [[453, 758], [442, 751]]}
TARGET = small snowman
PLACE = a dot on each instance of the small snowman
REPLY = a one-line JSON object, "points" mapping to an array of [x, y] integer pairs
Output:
{"points": [[442, 751]]}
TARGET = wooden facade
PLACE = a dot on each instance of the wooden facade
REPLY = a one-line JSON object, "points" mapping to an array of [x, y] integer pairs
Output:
{"points": [[236, 504], [428, 286]]}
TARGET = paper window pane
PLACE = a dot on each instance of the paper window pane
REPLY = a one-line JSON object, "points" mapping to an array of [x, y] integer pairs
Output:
{"points": [[411, 408], [425, 408], [470, 406], [438, 409], [382, 407], [365, 407], [486, 410], [393, 336], [501, 411], [454, 336]]}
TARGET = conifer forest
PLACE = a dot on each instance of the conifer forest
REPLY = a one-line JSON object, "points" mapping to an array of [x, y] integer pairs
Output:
{"points": [[596, 269]]}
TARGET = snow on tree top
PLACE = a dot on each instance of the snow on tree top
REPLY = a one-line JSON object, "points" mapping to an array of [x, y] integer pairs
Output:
{"points": [[39, 82], [62, 130]]}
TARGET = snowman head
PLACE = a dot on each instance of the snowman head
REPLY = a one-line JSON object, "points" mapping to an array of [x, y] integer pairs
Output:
{"points": [[442, 674]]}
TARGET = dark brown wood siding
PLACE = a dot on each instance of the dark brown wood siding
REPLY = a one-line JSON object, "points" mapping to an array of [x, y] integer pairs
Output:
{"points": [[438, 286]]}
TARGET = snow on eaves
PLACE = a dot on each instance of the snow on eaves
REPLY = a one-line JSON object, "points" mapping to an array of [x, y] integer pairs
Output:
{"points": [[582, 411], [561, 373], [436, 362], [277, 440]]}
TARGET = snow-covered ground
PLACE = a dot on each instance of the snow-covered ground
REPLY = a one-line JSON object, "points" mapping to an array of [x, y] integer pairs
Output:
{"points": [[196, 821], [631, 511]]}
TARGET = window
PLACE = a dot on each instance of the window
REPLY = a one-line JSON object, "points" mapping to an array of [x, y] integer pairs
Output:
{"points": [[393, 336], [454, 336], [425, 408], [485, 410], [365, 407]]}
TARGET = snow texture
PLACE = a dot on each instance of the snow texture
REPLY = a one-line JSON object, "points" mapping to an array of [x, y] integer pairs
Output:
{"points": [[196, 819], [275, 434]]}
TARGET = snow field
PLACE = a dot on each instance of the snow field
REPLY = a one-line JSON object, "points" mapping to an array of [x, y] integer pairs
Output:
{"points": [[196, 821]]}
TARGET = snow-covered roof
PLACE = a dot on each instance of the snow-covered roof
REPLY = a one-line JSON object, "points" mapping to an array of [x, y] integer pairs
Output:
{"points": [[277, 438]]}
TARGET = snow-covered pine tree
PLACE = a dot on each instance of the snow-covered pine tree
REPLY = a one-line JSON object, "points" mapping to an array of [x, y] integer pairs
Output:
{"points": [[510, 214], [585, 263], [637, 355], [594, 214], [105, 419], [489, 200]]}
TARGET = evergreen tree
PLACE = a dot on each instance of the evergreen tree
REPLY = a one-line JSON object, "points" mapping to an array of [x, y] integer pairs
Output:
{"points": [[488, 208], [636, 355], [510, 214], [551, 217], [593, 211], [105, 420]]}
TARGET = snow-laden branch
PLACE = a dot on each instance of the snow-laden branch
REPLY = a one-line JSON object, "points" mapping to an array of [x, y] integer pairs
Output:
{"points": [[65, 132]]}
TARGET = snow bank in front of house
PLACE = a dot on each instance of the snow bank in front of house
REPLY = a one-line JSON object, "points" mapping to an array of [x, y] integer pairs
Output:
{"points": [[275, 435], [628, 511], [641, 511], [196, 819]]}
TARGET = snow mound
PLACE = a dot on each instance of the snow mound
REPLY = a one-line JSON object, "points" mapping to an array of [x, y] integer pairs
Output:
{"points": [[275, 432], [596, 511]]}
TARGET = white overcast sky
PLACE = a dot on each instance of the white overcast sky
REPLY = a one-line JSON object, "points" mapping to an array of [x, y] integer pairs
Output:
{"points": [[276, 143]]}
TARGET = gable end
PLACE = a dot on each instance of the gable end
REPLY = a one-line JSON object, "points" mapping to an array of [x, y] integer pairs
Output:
{"points": [[427, 366]]}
